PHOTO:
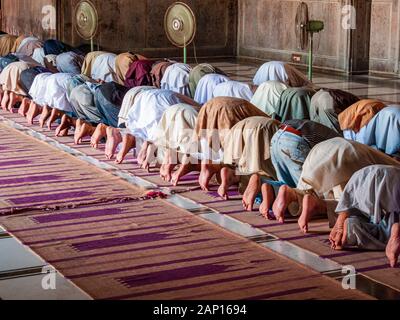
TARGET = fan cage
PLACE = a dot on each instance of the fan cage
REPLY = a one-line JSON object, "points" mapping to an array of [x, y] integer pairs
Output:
{"points": [[191, 35], [301, 23], [96, 19]]}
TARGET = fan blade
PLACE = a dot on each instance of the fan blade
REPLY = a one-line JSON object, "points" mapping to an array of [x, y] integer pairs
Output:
{"points": [[180, 24], [86, 20], [301, 23]]}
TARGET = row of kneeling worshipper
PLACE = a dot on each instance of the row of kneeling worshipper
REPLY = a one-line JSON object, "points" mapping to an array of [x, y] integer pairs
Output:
{"points": [[295, 150]]}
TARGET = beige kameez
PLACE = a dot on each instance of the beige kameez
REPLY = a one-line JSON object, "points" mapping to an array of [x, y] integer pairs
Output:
{"points": [[7, 43], [248, 146], [11, 76], [175, 131], [221, 114], [332, 163]]}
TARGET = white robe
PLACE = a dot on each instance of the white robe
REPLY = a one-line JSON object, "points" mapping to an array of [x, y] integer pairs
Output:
{"points": [[25, 41], [233, 89], [129, 101], [176, 78], [147, 112], [38, 88], [205, 87], [274, 70], [56, 92], [104, 68], [38, 56]]}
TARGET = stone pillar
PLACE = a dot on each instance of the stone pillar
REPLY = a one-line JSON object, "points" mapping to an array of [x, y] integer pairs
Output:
{"points": [[358, 37]]}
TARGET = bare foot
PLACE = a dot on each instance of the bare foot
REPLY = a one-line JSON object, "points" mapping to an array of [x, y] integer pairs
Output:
{"points": [[100, 133], [85, 130], [46, 112], [11, 109], [253, 188], [55, 114], [23, 109], [78, 128], [128, 143], [208, 171], [11, 101], [114, 138], [63, 128], [14, 99], [5, 100], [33, 112], [285, 197], [63, 133], [311, 206], [151, 149], [166, 171], [393, 246], [143, 153], [337, 236], [228, 179], [183, 170], [167, 167], [268, 200]]}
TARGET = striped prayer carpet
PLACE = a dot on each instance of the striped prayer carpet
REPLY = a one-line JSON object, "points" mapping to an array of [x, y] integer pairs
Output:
{"points": [[33, 174], [138, 249]]}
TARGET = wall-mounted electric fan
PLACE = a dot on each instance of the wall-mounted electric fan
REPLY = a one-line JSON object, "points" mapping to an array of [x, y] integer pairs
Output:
{"points": [[180, 26], [86, 21], [305, 30]]}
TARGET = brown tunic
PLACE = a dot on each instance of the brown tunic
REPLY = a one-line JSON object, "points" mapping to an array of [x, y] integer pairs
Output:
{"points": [[221, 114]]}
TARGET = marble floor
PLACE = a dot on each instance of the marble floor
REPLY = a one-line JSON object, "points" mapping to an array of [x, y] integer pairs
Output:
{"points": [[373, 87], [25, 276], [23, 270]]}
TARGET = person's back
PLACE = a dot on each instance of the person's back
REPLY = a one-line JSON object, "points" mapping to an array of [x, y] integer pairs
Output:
{"points": [[383, 132], [234, 89], [148, 109], [206, 86], [333, 162], [271, 71], [176, 78]]}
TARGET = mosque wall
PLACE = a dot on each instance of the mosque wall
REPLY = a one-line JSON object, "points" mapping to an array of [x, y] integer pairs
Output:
{"points": [[385, 36], [128, 25], [137, 25], [36, 17], [267, 31], [255, 29]]}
